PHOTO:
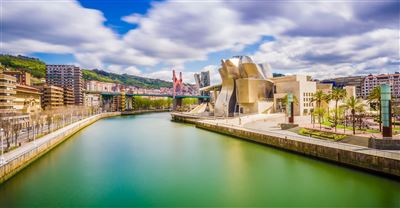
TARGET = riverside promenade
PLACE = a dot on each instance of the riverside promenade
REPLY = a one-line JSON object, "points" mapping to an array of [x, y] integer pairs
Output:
{"points": [[15, 160], [373, 160]]}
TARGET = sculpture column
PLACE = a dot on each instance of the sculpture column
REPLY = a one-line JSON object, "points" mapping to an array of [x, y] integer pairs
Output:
{"points": [[386, 111], [290, 107]]}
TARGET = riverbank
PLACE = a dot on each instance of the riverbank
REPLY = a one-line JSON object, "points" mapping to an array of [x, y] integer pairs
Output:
{"points": [[371, 160], [18, 159]]}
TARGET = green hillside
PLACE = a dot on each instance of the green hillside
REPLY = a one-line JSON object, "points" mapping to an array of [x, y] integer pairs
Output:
{"points": [[34, 66], [127, 79], [38, 70]]}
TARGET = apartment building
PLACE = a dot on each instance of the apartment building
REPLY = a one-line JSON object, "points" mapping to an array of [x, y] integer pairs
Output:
{"points": [[22, 77], [92, 100], [96, 86], [68, 96], [27, 99], [66, 76], [52, 96], [372, 81], [342, 82], [7, 93]]}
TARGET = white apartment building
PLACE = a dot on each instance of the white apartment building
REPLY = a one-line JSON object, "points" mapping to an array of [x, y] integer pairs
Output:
{"points": [[372, 81], [96, 86], [92, 100]]}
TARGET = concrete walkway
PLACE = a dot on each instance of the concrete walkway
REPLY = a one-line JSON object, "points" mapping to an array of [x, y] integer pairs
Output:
{"points": [[273, 130]]}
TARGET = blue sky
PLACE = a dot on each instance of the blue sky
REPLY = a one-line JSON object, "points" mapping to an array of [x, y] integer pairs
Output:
{"points": [[149, 38], [114, 10]]}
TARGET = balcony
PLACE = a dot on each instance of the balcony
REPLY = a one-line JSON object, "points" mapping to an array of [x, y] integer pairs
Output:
{"points": [[6, 104], [4, 91], [4, 84], [6, 97]]}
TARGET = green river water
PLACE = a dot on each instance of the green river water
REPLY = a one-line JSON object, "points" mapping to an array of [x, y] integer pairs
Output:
{"points": [[146, 160]]}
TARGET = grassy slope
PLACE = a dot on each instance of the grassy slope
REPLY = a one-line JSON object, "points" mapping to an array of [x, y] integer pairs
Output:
{"points": [[124, 78], [36, 67]]}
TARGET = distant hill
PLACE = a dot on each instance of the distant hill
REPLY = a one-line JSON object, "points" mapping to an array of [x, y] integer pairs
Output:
{"points": [[38, 70], [32, 65], [277, 75], [127, 79]]}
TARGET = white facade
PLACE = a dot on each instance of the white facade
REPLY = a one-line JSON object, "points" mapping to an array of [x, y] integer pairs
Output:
{"points": [[300, 87], [92, 100], [372, 81], [96, 86]]}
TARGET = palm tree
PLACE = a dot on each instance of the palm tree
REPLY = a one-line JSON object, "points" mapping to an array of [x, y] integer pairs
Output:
{"points": [[353, 105], [327, 99], [361, 113], [319, 112], [375, 97], [336, 95], [318, 97]]}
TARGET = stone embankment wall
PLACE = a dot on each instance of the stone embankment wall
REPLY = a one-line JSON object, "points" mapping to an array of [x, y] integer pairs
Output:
{"points": [[179, 117], [373, 163], [386, 144], [144, 111]]}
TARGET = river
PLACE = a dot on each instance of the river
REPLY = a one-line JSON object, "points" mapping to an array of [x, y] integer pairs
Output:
{"points": [[147, 160]]}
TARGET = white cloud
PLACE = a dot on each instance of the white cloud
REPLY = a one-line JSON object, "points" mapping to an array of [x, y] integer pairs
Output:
{"points": [[370, 52], [63, 23], [345, 36], [176, 32]]}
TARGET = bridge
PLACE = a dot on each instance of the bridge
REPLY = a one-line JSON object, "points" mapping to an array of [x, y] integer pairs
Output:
{"points": [[177, 94], [108, 97], [153, 95]]}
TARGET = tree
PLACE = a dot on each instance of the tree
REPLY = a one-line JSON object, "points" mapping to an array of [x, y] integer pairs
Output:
{"points": [[337, 94], [327, 98], [361, 113], [17, 126], [318, 98], [6, 125], [374, 97], [49, 119], [353, 105], [319, 112]]}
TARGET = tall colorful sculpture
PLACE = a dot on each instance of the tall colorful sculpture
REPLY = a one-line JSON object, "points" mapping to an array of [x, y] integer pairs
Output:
{"points": [[386, 113]]}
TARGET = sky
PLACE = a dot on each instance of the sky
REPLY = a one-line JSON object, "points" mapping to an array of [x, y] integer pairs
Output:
{"points": [[323, 39]]}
